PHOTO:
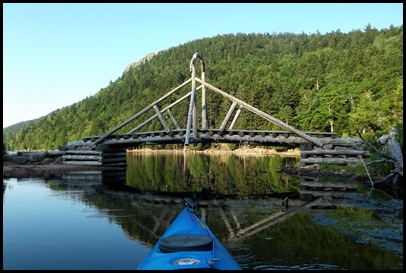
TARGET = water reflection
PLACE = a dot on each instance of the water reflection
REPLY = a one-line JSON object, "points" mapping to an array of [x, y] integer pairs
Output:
{"points": [[227, 174], [265, 218], [259, 233], [326, 193]]}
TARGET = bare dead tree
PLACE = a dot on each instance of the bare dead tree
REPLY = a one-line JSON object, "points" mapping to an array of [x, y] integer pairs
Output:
{"points": [[391, 153]]}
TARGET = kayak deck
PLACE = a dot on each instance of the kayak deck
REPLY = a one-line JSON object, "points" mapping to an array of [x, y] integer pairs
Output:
{"points": [[188, 243]]}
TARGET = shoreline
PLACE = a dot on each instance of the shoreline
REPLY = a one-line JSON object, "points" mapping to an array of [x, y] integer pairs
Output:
{"points": [[57, 168]]}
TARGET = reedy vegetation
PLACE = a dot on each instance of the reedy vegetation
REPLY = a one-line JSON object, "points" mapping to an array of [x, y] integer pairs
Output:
{"points": [[341, 82]]}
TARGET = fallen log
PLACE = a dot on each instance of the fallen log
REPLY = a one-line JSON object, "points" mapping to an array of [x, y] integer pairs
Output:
{"points": [[391, 153]]}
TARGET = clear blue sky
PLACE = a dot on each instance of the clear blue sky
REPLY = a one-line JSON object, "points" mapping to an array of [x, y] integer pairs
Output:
{"points": [[55, 55]]}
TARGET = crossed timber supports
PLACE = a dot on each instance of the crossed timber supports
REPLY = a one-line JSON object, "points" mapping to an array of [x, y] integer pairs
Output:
{"points": [[192, 124]]}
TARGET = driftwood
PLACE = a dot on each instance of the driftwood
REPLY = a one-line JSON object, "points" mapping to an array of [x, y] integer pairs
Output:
{"points": [[394, 156], [394, 149]]}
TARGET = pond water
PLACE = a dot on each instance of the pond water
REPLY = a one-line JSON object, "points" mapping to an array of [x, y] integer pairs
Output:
{"points": [[92, 220]]}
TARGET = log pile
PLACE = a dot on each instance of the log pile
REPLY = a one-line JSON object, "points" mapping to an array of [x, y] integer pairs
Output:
{"points": [[94, 158], [338, 151]]}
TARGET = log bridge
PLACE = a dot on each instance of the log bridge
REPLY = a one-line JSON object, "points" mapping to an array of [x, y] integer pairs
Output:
{"points": [[110, 148]]}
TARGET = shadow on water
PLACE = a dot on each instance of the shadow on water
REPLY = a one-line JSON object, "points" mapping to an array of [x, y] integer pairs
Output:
{"points": [[265, 218]]}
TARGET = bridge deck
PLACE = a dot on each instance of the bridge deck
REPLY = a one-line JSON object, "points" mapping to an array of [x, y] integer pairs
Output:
{"points": [[260, 137]]}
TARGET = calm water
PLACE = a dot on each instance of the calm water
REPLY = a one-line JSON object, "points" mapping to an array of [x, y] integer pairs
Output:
{"points": [[110, 220]]}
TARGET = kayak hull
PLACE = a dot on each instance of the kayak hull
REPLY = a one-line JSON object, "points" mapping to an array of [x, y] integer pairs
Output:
{"points": [[188, 243]]}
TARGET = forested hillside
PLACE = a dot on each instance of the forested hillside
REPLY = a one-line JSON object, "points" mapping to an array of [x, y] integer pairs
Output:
{"points": [[335, 82], [18, 126]]}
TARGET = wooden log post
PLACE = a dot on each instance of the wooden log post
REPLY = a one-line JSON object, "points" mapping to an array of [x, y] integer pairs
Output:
{"points": [[192, 114]]}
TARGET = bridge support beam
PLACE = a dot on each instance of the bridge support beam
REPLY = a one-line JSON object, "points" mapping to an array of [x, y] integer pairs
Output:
{"points": [[140, 113], [262, 114], [192, 115], [230, 111]]}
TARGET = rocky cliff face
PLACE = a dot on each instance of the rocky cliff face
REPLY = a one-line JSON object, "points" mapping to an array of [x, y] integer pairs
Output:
{"points": [[146, 58]]}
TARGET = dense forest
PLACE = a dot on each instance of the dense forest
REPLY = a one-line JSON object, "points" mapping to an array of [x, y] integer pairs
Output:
{"points": [[347, 83]]}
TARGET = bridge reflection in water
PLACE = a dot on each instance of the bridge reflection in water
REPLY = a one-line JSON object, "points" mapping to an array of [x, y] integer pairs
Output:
{"points": [[238, 196], [268, 224]]}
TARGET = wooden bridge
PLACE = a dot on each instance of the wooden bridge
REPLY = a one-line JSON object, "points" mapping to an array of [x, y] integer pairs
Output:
{"points": [[110, 148]]}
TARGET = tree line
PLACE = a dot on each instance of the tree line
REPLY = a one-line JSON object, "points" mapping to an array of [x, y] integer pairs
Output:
{"points": [[334, 82]]}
